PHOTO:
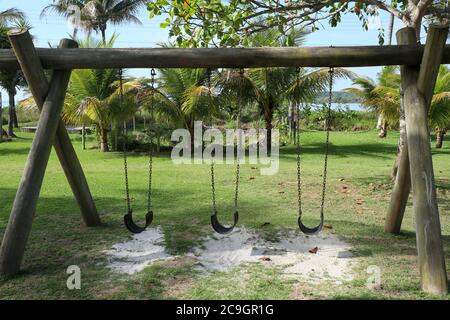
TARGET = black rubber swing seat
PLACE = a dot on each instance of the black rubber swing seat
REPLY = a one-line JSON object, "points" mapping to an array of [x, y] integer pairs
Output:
{"points": [[219, 228], [308, 230], [132, 226]]}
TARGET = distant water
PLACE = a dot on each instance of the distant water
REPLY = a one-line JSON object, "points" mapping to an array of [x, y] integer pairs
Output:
{"points": [[343, 106], [351, 106]]}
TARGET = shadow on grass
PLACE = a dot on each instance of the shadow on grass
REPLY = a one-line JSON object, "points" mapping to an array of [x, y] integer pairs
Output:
{"points": [[58, 233], [13, 151], [371, 240], [376, 150], [58, 238]]}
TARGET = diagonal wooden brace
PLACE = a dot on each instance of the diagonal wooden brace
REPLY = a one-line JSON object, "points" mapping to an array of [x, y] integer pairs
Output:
{"points": [[22, 214], [418, 95], [34, 73], [418, 85]]}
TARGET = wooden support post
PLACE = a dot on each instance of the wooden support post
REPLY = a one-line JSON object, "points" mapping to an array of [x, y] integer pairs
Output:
{"points": [[428, 228], [31, 66], [24, 207], [402, 183]]}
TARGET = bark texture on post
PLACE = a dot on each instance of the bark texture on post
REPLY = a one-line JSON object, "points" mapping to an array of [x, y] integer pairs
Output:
{"points": [[31, 66], [402, 182], [24, 207], [126, 58], [418, 94]]}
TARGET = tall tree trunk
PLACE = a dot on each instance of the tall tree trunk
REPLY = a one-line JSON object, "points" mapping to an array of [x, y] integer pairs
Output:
{"points": [[104, 139], [158, 140], [116, 135], [440, 133], [391, 29], [379, 121], [83, 137], [268, 118], [402, 137], [383, 129], [103, 31], [11, 110]]}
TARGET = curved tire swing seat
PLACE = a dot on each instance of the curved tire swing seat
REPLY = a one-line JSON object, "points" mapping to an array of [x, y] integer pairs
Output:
{"points": [[308, 230], [220, 228], [132, 226]]}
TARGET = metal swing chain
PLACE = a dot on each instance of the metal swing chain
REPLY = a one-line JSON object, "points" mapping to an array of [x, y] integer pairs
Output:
{"points": [[150, 135], [299, 185], [238, 164], [125, 162], [213, 185], [327, 141], [327, 144]]}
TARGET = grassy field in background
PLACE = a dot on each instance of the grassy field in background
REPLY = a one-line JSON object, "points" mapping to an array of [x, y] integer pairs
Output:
{"points": [[359, 160]]}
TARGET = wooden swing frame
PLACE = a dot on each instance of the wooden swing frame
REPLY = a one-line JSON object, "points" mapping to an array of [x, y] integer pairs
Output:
{"points": [[419, 69]]}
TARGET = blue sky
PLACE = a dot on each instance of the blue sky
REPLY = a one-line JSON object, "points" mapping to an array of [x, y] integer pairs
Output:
{"points": [[52, 28]]}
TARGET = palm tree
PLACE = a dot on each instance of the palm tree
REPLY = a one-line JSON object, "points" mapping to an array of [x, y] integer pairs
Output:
{"points": [[10, 80], [101, 12], [382, 98], [93, 97], [439, 115], [96, 14], [182, 97], [66, 9], [270, 88], [11, 15]]}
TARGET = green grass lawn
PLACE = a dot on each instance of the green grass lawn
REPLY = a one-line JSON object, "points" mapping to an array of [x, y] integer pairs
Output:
{"points": [[359, 160]]}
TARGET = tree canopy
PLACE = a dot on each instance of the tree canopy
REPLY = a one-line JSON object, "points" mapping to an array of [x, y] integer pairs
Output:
{"points": [[197, 23]]}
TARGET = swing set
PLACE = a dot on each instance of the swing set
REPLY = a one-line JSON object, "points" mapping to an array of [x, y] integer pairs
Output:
{"points": [[215, 223], [419, 68]]}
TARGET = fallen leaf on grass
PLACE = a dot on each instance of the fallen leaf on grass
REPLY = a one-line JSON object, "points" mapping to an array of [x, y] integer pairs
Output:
{"points": [[314, 250], [328, 226]]}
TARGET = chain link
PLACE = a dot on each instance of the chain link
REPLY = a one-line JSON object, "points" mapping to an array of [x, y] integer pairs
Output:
{"points": [[125, 162], [150, 135], [238, 164], [327, 141], [125, 143], [213, 184], [299, 183], [327, 146]]}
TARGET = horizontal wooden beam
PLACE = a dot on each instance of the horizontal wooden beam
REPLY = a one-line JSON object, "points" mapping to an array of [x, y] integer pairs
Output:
{"points": [[357, 56]]}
